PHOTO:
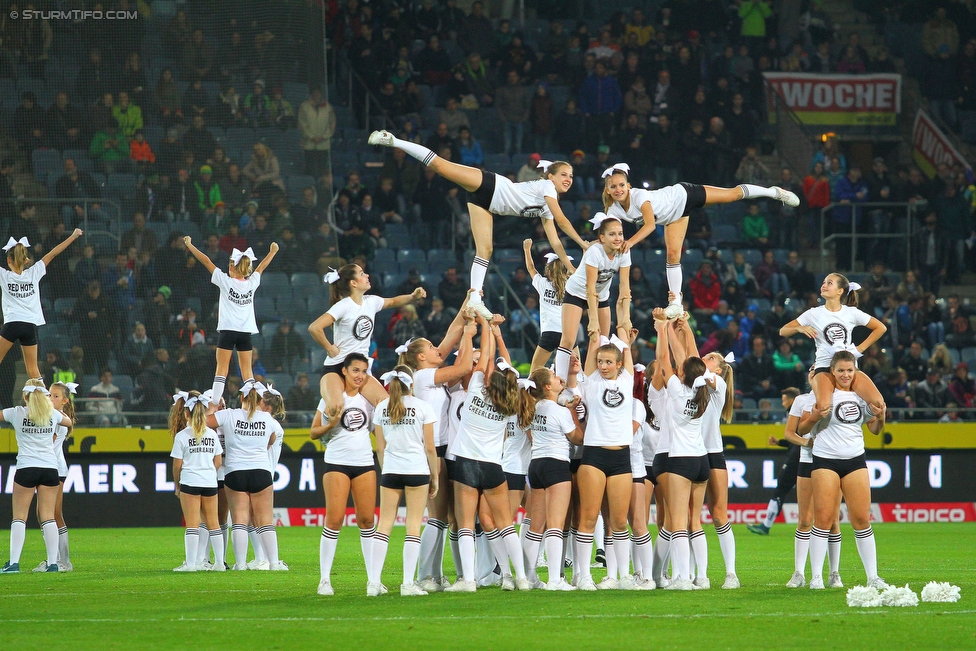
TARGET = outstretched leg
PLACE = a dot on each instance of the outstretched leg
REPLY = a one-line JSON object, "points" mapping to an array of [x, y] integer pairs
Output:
{"points": [[674, 238], [714, 195]]}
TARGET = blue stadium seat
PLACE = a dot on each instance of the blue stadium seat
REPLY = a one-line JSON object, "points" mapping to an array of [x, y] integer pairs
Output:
{"points": [[318, 305], [968, 355], [509, 255], [46, 161], [753, 257], [264, 309], [277, 283], [268, 329], [316, 359], [160, 230], [782, 255], [400, 234], [764, 307], [408, 258], [125, 385], [498, 163], [282, 381], [691, 260], [655, 260], [63, 308], [725, 233], [292, 307], [308, 284], [440, 260]]}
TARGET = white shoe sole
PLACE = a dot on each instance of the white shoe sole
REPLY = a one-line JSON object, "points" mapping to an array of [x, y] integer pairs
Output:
{"points": [[382, 138], [787, 197]]}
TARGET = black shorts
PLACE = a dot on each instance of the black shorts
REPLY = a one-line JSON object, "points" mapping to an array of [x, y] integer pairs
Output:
{"points": [[650, 474], [546, 472], [486, 191], [822, 369], [399, 482], [693, 469], [231, 339], [478, 474], [449, 463], [515, 482], [202, 492], [660, 466], [220, 485], [20, 332], [569, 299], [696, 196], [716, 461], [804, 469], [34, 477], [62, 479], [349, 471], [574, 465], [332, 368], [248, 481], [441, 451], [639, 480], [842, 467], [609, 462], [549, 340]]}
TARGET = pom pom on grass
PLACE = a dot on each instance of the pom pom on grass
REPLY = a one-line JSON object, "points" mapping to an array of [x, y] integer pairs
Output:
{"points": [[863, 597], [941, 592], [899, 597]]}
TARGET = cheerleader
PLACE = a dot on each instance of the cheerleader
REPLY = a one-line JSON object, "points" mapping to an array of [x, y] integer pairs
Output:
{"points": [[223, 510], [404, 428], [352, 316], [605, 468], [495, 194], [839, 468], [589, 289], [516, 455], [433, 383], [831, 325], [177, 422], [659, 410], [640, 537], [348, 468], [276, 404], [196, 457], [37, 470], [249, 432], [669, 207], [574, 390], [61, 393], [551, 287], [235, 314], [22, 298], [493, 399]]}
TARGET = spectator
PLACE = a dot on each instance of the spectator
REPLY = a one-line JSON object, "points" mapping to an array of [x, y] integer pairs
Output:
{"points": [[110, 150], [800, 279], [753, 15], [208, 193], [471, 153], [287, 349], [894, 389], [228, 110], [235, 190], [931, 393], [706, 290], [30, 123], [322, 248], [168, 100], [355, 242], [409, 326], [941, 359], [663, 143], [909, 287], [542, 117], [141, 153], [789, 367], [317, 121], [24, 224], [740, 272], [263, 171], [755, 229], [439, 320], [476, 32], [282, 112], [930, 251], [940, 32], [718, 162], [530, 170], [136, 347], [432, 63], [695, 152], [771, 279], [960, 334], [756, 372], [257, 106], [302, 397], [851, 189], [76, 184], [816, 191], [940, 85], [452, 289], [722, 317], [513, 104], [97, 320], [751, 169], [65, 124], [912, 361], [751, 325], [154, 386], [850, 63], [957, 224], [600, 100], [105, 402], [120, 285]]}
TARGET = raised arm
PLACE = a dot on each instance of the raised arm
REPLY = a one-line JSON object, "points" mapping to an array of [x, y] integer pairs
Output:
{"points": [[400, 301], [590, 366], [486, 346], [877, 331], [56, 251], [529, 263], [625, 333], [496, 332], [199, 255], [663, 351], [448, 375], [317, 329], [273, 249], [592, 303], [623, 307], [557, 245]]}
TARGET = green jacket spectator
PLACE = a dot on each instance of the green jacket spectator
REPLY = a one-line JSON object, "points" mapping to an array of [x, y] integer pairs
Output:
{"points": [[755, 230], [109, 145], [208, 191], [129, 116], [754, 14]]}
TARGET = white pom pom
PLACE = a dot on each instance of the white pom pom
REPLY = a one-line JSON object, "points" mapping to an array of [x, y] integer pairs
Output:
{"points": [[863, 597], [899, 597], [944, 592]]}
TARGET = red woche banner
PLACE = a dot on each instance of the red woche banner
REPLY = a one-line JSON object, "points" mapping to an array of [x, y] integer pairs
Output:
{"points": [[931, 147], [873, 99]]}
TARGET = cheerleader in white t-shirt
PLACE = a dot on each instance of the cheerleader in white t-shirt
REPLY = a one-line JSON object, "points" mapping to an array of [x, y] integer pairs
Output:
{"points": [[640, 537], [352, 317], [61, 393], [659, 404], [272, 399], [37, 470], [196, 457], [551, 286], [669, 207], [494, 194], [20, 288], [235, 313], [839, 468], [589, 288], [831, 325], [404, 428], [349, 467], [249, 432]]}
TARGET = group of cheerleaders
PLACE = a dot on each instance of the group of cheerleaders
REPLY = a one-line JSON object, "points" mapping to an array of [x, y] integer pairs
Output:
{"points": [[470, 440]]}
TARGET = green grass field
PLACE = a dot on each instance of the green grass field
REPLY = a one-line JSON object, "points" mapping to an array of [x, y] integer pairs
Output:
{"points": [[123, 594]]}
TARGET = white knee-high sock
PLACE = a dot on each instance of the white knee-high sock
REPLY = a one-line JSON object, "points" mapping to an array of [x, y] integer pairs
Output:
{"points": [[681, 555], [700, 548], [63, 555], [49, 530], [514, 550], [218, 387], [611, 557], [256, 544], [522, 530], [562, 362], [569, 549], [414, 150], [485, 561], [867, 550], [269, 540], [225, 534], [498, 550], [433, 530], [530, 548], [455, 553], [238, 534], [662, 549], [833, 552], [381, 543], [750, 191], [599, 533], [190, 538], [411, 550], [479, 269], [801, 547], [621, 550], [203, 544], [217, 543], [554, 553], [818, 551], [327, 550], [366, 537], [583, 554], [18, 532], [437, 565], [772, 510], [634, 558], [466, 552], [726, 542], [644, 555], [675, 280]]}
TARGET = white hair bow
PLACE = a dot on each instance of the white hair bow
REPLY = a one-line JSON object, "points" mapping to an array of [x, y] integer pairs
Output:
{"points": [[702, 379], [623, 168], [209, 395], [402, 348], [730, 358], [853, 286], [552, 257], [181, 395], [599, 218], [195, 400], [526, 384], [236, 255], [72, 387], [544, 165], [251, 385], [618, 343], [11, 243], [31, 389], [639, 368], [389, 376], [502, 365], [331, 276], [272, 390]]}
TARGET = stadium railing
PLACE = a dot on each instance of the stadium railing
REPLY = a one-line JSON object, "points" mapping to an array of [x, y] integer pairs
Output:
{"points": [[892, 207], [794, 143], [104, 232]]}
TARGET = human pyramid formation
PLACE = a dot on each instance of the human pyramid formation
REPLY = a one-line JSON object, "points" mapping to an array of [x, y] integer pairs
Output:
{"points": [[576, 442]]}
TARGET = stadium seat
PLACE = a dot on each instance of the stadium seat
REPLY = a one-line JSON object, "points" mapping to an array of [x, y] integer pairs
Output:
{"points": [[691, 260], [316, 359], [318, 305], [63, 308], [498, 163], [782, 255], [412, 258], [749, 403], [125, 385], [725, 234], [968, 355], [282, 381], [268, 329], [509, 255], [264, 309], [290, 307], [277, 282], [753, 257], [46, 162]]}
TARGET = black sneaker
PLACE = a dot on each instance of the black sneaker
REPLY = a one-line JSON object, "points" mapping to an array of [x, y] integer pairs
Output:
{"points": [[601, 558]]}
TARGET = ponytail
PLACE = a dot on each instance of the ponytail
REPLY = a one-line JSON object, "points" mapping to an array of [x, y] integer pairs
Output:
{"points": [[725, 370], [39, 407], [177, 416], [250, 402], [694, 368], [277, 405], [557, 274], [526, 405], [503, 392], [244, 266], [410, 358], [396, 409], [17, 258], [850, 296], [198, 418], [340, 289]]}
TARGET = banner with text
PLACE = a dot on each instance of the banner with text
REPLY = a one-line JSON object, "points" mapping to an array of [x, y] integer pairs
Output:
{"points": [[931, 147], [852, 100]]}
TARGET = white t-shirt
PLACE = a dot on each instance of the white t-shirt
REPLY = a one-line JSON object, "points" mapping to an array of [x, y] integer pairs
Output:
{"points": [[686, 432], [274, 453], [712, 419], [637, 469], [438, 397], [198, 470], [349, 444], [481, 432], [517, 452], [550, 307], [405, 452], [236, 309], [60, 434], [526, 199], [21, 295], [596, 256], [353, 326], [551, 425], [839, 436], [576, 451], [35, 445], [660, 404], [804, 403], [246, 441], [833, 328], [667, 203], [222, 470], [611, 409], [454, 408]]}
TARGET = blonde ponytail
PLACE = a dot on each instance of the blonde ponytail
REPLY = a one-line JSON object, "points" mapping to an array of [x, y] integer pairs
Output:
{"points": [[198, 418], [39, 407], [396, 409], [17, 258]]}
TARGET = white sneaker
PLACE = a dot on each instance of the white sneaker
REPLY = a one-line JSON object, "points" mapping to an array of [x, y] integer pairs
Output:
{"points": [[41, 567], [731, 582], [681, 584], [385, 138], [186, 568], [586, 584], [575, 580], [608, 583], [627, 582], [535, 583], [219, 567], [523, 585], [877, 582], [412, 590], [280, 566], [444, 583], [508, 583], [785, 196], [205, 567], [325, 588], [259, 565], [834, 580], [663, 583], [463, 586], [476, 303], [375, 589], [66, 567], [646, 584], [239, 567], [796, 581], [429, 585], [559, 585], [702, 583], [816, 583], [673, 311]]}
